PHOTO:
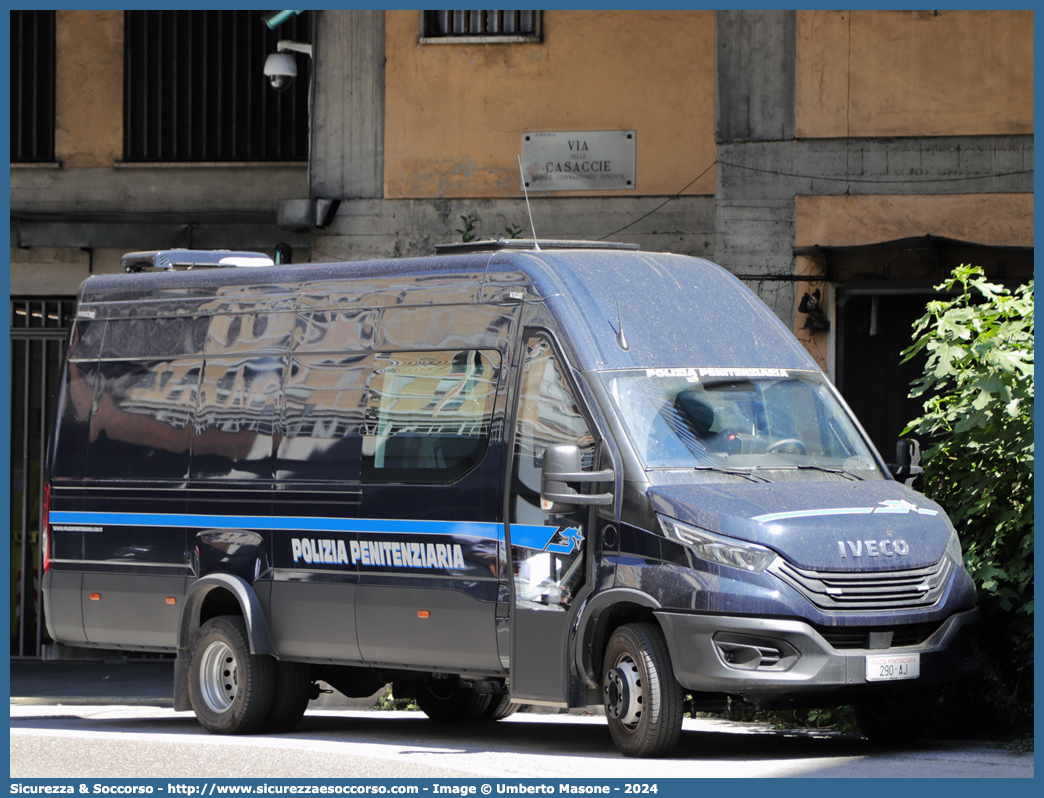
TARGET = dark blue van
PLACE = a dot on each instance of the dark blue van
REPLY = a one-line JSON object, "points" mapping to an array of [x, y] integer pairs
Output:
{"points": [[571, 475]]}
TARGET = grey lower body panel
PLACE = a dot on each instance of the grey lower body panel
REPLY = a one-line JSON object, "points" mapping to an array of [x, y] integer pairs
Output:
{"points": [[62, 607], [132, 610], [766, 659], [439, 628]]}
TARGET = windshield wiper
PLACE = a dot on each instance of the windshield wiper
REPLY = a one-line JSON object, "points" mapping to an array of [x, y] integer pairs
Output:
{"points": [[737, 471], [829, 469]]}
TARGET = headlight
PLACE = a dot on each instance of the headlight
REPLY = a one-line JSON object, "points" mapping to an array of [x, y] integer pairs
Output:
{"points": [[717, 549], [953, 549]]}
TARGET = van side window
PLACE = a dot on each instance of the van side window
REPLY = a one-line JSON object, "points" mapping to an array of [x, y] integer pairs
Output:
{"points": [[237, 417], [141, 425], [324, 403], [428, 414], [76, 401], [548, 413]]}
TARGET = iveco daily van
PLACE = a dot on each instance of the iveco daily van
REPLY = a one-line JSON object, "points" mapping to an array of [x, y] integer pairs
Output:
{"points": [[572, 476]]}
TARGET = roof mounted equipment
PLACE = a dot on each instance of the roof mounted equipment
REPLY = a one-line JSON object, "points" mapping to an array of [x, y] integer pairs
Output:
{"points": [[187, 259]]}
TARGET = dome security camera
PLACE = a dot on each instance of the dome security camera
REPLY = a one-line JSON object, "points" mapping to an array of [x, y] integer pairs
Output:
{"points": [[281, 69]]}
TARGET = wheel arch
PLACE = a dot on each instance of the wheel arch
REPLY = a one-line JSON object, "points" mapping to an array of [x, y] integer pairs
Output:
{"points": [[600, 617], [210, 596]]}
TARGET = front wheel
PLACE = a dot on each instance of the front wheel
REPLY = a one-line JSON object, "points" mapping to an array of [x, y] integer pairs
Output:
{"points": [[644, 703], [897, 718], [231, 690]]}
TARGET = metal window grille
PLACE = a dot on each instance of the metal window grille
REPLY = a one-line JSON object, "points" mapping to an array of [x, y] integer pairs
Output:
{"points": [[491, 24], [39, 327], [32, 86], [194, 89]]}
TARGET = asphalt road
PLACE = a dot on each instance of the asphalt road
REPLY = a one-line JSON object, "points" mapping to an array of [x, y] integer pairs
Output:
{"points": [[113, 719], [111, 741]]}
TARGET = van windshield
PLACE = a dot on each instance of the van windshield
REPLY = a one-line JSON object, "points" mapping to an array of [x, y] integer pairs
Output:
{"points": [[756, 424]]}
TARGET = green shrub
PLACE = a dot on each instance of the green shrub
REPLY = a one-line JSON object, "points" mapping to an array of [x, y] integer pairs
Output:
{"points": [[977, 427]]}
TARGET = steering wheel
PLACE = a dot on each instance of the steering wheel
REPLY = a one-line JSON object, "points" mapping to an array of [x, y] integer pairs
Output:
{"points": [[787, 443]]}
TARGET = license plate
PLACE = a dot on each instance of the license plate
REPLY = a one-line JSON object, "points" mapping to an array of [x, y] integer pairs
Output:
{"points": [[891, 667]]}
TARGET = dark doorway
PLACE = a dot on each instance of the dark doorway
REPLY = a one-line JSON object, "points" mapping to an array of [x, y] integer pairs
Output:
{"points": [[882, 290], [873, 330]]}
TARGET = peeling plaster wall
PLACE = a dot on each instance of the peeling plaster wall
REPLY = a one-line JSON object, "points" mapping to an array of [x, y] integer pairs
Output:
{"points": [[1001, 220], [454, 114], [914, 73]]}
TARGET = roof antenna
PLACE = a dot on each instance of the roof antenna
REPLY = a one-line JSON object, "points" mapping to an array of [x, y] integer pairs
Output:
{"points": [[621, 339], [532, 227]]}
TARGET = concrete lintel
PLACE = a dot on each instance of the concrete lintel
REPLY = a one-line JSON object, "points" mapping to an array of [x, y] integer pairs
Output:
{"points": [[393, 228], [129, 234], [945, 165], [156, 189]]}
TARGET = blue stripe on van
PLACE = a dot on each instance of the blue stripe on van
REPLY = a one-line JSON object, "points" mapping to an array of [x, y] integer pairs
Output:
{"points": [[527, 535], [287, 523]]}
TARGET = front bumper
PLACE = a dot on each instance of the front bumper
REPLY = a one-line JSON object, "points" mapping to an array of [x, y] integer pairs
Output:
{"points": [[765, 660]]}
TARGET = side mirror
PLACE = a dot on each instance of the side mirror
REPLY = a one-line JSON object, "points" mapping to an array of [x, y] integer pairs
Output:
{"points": [[561, 468], [907, 466]]}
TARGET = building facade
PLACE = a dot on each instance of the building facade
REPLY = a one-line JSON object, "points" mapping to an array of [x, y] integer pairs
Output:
{"points": [[839, 162]]}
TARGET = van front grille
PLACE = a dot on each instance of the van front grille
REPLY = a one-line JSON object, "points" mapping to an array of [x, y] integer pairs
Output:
{"points": [[859, 591], [850, 637]]}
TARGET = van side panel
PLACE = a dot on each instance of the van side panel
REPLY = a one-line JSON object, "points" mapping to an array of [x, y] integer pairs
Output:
{"points": [[459, 631], [132, 609], [314, 620], [428, 593]]}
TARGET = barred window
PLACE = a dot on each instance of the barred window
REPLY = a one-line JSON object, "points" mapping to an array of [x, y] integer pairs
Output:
{"points": [[465, 27], [195, 90], [32, 86]]}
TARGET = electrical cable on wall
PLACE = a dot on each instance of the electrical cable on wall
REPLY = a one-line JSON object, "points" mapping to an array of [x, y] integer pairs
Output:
{"points": [[882, 181], [654, 210]]}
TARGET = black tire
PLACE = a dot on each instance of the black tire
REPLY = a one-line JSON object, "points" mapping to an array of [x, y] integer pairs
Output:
{"points": [[644, 703], [446, 701], [293, 689], [231, 690], [898, 718], [500, 707]]}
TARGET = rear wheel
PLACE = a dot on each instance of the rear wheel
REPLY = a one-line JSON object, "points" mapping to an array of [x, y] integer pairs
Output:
{"points": [[644, 704], [293, 689], [231, 690], [500, 707], [445, 700], [897, 718]]}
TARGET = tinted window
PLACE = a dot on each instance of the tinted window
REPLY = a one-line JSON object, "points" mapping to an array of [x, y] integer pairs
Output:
{"points": [[337, 331], [324, 406], [74, 414], [155, 338], [86, 340], [142, 422], [250, 332], [550, 573], [237, 418], [428, 414]]}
